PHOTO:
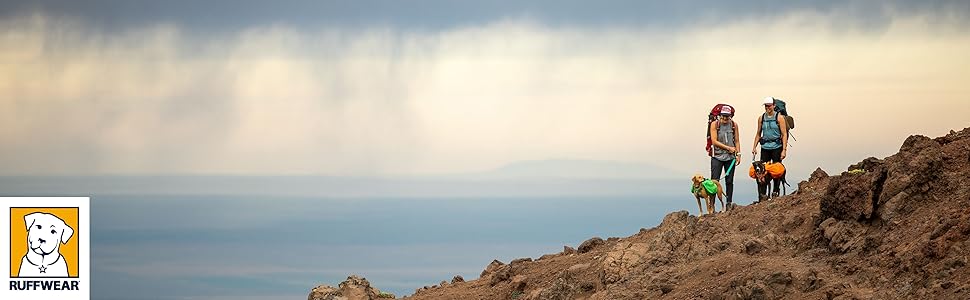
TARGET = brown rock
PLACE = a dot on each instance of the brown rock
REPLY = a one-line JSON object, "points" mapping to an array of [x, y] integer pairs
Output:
{"points": [[817, 175], [753, 246], [457, 279], [520, 260], [354, 288], [577, 268], [323, 292], [547, 256], [518, 283], [850, 196], [590, 244], [494, 265], [779, 279], [503, 273]]}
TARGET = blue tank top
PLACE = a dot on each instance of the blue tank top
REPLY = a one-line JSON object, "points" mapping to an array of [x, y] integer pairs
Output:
{"points": [[770, 133]]}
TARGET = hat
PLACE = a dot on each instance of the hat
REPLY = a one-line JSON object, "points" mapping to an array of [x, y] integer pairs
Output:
{"points": [[769, 100], [727, 110]]}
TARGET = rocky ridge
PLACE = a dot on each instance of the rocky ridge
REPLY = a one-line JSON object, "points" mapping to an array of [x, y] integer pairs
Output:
{"points": [[892, 228]]}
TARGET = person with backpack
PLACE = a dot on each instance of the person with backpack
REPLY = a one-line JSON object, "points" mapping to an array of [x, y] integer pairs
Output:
{"points": [[725, 148], [772, 134]]}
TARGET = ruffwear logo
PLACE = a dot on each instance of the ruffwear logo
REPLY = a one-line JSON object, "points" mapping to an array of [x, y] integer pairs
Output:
{"points": [[46, 230], [48, 247]]}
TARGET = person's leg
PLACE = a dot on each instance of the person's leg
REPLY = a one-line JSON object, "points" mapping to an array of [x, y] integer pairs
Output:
{"points": [[776, 183], [716, 166], [729, 182]]}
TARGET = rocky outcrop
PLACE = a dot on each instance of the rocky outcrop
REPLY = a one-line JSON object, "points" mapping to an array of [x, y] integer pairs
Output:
{"points": [[354, 288], [491, 268], [590, 244]]}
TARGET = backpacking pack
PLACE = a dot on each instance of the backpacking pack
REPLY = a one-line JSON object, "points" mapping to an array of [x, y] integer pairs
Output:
{"points": [[775, 170], [708, 185], [789, 120], [712, 117]]}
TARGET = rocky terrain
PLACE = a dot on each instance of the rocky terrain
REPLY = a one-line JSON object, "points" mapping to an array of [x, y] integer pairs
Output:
{"points": [[892, 228]]}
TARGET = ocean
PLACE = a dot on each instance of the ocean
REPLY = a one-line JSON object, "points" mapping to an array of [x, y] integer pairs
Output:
{"points": [[262, 247], [271, 237]]}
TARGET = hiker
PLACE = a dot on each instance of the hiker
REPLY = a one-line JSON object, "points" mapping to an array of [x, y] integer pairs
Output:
{"points": [[774, 143], [725, 155]]}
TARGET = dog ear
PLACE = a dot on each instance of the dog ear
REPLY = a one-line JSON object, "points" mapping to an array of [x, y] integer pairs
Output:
{"points": [[66, 233], [29, 219]]}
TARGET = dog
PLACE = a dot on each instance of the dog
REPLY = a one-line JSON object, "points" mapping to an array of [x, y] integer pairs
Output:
{"points": [[45, 234], [700, 192], [761, 173]]}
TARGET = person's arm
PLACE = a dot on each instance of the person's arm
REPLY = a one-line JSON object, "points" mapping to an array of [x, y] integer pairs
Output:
{"points": [[784, 136], [714, 141], [757, 137], [737, 141]]}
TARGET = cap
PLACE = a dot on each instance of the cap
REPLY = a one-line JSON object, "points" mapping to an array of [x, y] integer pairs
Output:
{"points": [[769, 100], [727, 110]]}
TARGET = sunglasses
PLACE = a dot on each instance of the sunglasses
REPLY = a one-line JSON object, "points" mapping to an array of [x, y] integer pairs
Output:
{"points": [[769, 105]]}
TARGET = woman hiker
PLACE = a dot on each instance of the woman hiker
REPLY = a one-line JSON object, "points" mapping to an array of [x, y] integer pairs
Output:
{"points": [[774, 143], [726, 150]]}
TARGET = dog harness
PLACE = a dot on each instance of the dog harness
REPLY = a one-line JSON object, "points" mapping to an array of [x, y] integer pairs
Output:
{"points": [[708, 185]]}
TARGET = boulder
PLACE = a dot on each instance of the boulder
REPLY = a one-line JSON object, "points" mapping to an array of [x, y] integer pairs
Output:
{"points": [[753, 246], [501, 274], [520, 260], [494, 265], [590, 244], [354, 288], [853, 196], [817, 175]]}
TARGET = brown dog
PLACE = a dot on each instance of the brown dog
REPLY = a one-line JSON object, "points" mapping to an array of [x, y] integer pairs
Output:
{"points": [[700, 192]]}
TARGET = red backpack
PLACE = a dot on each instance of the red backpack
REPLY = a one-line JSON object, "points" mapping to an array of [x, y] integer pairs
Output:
{"points": [[712, 117]]}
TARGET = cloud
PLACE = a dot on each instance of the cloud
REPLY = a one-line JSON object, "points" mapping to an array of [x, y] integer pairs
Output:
{"points": [[275, 99]]}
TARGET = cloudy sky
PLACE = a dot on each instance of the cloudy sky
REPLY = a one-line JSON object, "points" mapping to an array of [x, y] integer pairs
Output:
{"points": [[432, 87]]}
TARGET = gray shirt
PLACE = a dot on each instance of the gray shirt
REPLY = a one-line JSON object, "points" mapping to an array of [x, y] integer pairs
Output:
{"points": [[725, 135]]}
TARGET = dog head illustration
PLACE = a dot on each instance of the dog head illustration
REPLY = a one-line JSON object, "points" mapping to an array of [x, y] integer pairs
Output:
{"points": [[45, 233]]}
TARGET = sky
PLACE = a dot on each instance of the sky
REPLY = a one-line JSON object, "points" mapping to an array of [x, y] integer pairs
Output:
{"points": [[381, 88]]}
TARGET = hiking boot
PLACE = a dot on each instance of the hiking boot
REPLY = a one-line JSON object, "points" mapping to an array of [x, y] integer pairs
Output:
{"points": [[774, 195], [762, 197]]}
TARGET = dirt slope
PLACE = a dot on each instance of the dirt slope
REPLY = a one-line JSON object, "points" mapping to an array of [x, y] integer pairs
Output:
{"points": [[897, 228]]}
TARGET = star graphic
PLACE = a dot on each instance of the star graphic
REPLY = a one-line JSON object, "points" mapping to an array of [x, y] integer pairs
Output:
{"points": [[43, 269]]}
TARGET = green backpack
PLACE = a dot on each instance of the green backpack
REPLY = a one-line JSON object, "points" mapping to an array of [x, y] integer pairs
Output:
{"points": [[789, 120]]}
